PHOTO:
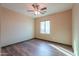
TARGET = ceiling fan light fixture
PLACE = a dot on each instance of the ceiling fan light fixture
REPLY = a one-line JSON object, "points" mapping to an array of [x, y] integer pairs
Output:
{"points": [[36, 12], [38, 9]]}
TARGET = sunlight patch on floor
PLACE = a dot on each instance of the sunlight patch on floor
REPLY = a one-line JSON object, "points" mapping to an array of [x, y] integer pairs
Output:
{"points": [[66, 52]]}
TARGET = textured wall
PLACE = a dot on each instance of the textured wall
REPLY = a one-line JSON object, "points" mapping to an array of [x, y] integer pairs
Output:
{"points": [[75, 28], [61, 27], [15, 27]]}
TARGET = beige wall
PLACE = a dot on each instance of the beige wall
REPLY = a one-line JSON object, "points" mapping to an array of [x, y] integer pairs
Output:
{"points": [[61, 27], [75, 28], [15, 27], [0, 35]]}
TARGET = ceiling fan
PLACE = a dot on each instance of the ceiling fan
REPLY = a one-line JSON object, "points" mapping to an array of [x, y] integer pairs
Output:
{"points": [[37, 9]]}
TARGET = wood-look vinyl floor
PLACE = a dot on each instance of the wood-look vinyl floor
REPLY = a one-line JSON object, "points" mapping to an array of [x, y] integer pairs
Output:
{"points": [[36, 47]]}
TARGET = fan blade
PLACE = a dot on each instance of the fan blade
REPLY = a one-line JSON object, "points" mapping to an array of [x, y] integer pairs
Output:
{"points": [[43, 8], [43, 12], [35, 6]]}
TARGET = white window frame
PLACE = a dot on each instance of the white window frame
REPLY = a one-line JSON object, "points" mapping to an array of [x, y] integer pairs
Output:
{"points": [[43, 30]]}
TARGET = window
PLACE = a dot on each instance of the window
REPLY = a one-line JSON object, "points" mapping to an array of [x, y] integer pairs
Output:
{"points": [[45, 27]]}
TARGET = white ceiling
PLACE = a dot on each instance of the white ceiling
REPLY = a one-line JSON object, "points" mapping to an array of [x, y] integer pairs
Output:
{"points": [[51, 7]]}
